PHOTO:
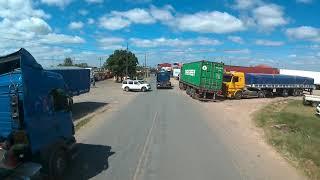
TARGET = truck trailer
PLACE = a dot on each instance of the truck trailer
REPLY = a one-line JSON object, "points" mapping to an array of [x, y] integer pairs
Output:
{"points": [[311, 74], [77, 79], [202, 80], [245, 85], [35, 117], [163, 79]]}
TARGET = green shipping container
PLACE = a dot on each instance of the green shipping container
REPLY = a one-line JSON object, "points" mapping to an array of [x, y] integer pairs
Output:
{"points": [[204, 75]]}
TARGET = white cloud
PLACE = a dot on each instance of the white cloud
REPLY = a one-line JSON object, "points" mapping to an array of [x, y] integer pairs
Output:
{"points": [[136, 15], [263, 42], [19, 9], [269, 16], [238, 51], [292, 56], [94, 1], [245, 4], [111, 43], [53, 38], [209, 22], [160, 42], [33, 24], [163, 14], [76, 25], [306, 33], [114, 23], [318, 54], [29, 29], [236, 39], [83, 12], [59, 3], [91, 21], [138, 1], [304, 1]]}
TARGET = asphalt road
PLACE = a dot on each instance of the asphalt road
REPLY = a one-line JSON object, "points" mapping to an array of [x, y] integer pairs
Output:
{"points": [[159, 135]]}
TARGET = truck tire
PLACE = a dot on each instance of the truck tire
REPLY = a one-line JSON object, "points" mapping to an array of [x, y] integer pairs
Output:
{"points": [[181, 86], [58, 164], [238, 95], [261, 94], [143, 89], [127, 89], [285, 93]]}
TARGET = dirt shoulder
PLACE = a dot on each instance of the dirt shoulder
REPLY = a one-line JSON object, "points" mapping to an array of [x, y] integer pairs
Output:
{"points": [[246, 142]]}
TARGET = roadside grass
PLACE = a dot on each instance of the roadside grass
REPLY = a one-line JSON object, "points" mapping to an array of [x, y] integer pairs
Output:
{"points": [[294, 130]]}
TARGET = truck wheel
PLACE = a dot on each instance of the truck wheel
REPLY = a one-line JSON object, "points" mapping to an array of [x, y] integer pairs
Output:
{"points": [[143, 89], [181, 86], [261, 94], [127, 89], [285, 93], [58, 164], [238, 95]]}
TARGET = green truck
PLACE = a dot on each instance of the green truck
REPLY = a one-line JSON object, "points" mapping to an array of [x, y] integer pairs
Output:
{"points": [[202, 80]]}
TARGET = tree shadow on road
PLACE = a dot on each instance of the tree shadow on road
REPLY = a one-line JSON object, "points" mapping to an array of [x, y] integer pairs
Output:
{"points": [[82, 109], [91, 161]]}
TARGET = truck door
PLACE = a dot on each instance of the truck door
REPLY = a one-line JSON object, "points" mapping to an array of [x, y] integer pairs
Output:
{"points": [[206, 75]]}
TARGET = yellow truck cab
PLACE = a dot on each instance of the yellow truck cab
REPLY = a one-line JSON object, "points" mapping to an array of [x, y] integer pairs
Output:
{"points": [[235, 87], [233, 84]]}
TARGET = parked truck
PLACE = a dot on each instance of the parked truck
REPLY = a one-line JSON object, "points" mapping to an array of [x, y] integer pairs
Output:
{"points": [[240, 85], [202, 80], [163, 79], [35, 117], [176, 73], [77, 79]]}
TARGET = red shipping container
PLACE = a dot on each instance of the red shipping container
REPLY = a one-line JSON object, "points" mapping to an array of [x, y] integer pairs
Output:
{"points": [[254, 69]]}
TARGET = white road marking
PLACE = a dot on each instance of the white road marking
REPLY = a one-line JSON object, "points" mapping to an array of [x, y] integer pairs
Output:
{"points": [[146, 144]]}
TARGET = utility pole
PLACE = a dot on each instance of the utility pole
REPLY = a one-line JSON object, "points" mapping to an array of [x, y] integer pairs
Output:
{"points": [[127, 51], [100, 62], [145, 65]]}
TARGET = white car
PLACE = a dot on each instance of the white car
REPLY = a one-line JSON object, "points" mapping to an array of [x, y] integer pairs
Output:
{"points": [[135, 85], [318, 110]]}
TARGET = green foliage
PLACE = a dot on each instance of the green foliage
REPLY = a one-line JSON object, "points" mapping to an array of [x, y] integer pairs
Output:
{"points": [[67, 62], [120, 60], [294, 130]]}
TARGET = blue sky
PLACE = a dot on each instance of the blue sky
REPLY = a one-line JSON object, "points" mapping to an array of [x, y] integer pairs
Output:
{"points": [[284, 34]]}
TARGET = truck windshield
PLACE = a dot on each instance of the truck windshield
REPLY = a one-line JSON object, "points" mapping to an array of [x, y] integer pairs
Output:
{"points": [[227, 78]]}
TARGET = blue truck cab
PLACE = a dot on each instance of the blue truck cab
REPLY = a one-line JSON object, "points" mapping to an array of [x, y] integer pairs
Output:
{"points": [[35, 116], [163, 79]]}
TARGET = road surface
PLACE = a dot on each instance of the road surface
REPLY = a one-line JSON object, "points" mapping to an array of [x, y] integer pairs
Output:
{"points": [[159, 135]]}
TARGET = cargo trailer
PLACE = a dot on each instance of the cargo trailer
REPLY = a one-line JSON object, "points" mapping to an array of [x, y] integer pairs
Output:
{"points": [[311, 74], [77, 79], [240, 85], [202, 80]]}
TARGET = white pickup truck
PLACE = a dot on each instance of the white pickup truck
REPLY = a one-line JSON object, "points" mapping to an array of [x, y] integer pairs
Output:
{"points": [[313, 100]]}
